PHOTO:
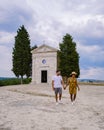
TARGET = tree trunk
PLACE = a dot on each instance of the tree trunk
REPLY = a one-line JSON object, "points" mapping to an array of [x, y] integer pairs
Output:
{"points": [[21, 79]]}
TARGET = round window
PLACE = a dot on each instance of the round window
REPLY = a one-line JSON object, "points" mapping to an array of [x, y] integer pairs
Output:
{"points": [[43, 61]]}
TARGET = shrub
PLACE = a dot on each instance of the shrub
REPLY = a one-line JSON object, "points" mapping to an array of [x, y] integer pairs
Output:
{"points": [[14, 81]]}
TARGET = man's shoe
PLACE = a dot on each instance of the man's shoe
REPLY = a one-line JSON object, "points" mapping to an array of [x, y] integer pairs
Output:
{"points": [[60, 102]]}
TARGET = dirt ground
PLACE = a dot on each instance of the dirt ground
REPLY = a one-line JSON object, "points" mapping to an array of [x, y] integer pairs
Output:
{"points": [[31, 107]]}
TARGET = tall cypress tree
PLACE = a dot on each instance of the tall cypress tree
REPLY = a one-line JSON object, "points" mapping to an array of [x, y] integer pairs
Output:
{"points": [[68, 57], [22, 54]]}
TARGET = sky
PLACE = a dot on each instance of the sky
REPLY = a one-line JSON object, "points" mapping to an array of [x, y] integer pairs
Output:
{"points": [[48, 21]]}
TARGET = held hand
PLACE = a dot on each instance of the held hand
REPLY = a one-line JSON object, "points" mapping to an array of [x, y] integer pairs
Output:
{"points": [[78, 89], [64, 87]]}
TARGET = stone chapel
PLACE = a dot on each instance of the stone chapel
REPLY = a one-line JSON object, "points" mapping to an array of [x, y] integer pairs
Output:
{"points": [[44, 64]]}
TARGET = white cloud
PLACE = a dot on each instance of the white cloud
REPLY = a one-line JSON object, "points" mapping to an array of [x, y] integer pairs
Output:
{"points": [[73, 18], [93, 52], [49, 20], [94, 27], [5, 61], [92, 73], [6, 37]]}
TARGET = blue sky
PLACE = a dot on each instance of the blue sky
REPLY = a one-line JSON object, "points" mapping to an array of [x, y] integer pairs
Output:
{"points": [[49, 21]]}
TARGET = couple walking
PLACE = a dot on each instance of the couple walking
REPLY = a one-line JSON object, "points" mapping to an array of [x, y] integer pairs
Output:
{"points": [[57, 84]]}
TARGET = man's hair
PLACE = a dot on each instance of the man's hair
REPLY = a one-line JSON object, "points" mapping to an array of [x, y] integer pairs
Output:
{"points": [[57, 71]]}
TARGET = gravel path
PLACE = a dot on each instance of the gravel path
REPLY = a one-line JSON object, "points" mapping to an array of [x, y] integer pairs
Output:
{"points": [[28, 107]]}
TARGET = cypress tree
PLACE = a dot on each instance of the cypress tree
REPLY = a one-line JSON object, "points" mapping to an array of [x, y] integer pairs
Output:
{"points": [[21, 55], [68, 57]]}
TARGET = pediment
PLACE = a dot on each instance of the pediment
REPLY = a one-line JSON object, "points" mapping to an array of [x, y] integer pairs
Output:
{"points": [[44, 48]]}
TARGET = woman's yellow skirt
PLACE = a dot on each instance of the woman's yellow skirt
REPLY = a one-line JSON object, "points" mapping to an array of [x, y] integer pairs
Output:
{"points": [[72, 89]]}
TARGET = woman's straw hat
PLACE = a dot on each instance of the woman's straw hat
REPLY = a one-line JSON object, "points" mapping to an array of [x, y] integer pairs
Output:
{"points": [[73, 73]]}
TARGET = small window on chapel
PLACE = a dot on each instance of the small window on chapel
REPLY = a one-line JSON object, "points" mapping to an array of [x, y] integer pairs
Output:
{"points": [[43, 61]]}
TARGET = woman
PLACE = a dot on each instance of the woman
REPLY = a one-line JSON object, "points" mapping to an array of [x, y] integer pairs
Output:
{"points": [[73, 85]]}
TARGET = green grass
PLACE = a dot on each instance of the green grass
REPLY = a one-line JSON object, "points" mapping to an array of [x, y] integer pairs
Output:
{"points": [[94, 83], [14, 81]]}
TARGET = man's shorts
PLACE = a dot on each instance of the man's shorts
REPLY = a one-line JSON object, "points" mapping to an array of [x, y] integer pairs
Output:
{"points": [[58, 90]]}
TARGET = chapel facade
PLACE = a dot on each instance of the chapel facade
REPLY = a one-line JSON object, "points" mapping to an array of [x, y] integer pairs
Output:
{"points": [[44, 64]]}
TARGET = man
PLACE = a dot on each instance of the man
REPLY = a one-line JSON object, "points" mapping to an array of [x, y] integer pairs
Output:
{"points": [[57, 83]]}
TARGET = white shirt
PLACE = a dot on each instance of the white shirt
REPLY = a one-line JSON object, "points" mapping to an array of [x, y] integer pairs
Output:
{"points": [[57, 81]]}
